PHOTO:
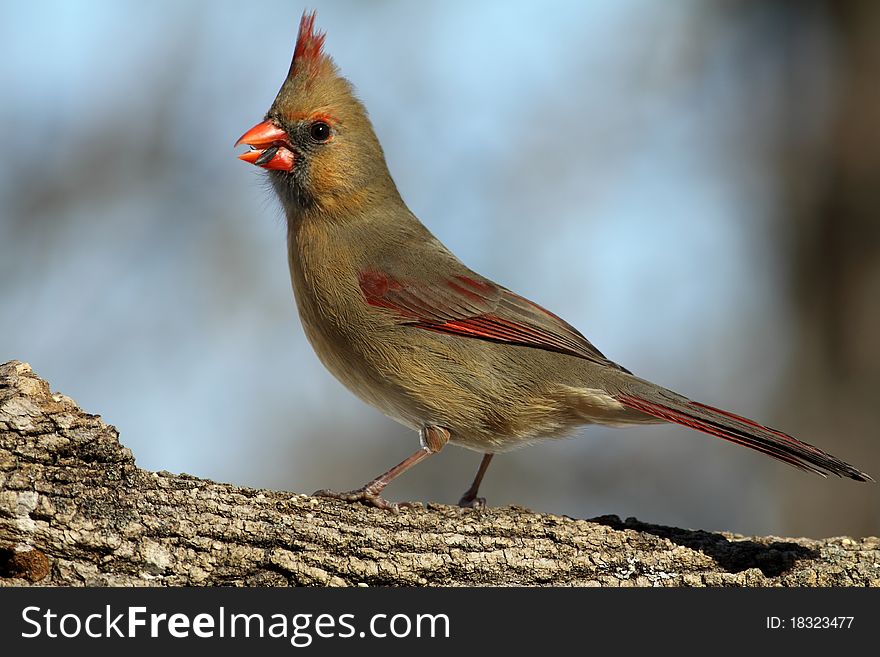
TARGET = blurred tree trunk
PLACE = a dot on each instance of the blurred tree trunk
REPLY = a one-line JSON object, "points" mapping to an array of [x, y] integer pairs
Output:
{"points": [[831, 230]]}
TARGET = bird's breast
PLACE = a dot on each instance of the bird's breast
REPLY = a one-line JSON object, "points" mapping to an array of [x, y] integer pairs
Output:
{"points": [[348, 336]]}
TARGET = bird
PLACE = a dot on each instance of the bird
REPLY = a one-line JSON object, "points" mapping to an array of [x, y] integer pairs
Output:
{"points": [[400, 321]]}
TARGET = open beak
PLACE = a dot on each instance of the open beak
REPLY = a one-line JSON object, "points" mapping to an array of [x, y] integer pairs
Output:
{"points": [[270, 147]]}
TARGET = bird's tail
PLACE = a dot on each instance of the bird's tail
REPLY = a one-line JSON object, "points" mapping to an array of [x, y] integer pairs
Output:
{"points": [[667, 405]]}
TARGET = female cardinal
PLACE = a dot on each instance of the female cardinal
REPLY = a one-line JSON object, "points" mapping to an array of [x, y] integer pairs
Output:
{"points": [[407, 327]]}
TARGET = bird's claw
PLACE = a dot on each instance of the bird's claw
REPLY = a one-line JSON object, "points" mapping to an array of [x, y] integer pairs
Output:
{"points": [[472, 502], [367, 497]]}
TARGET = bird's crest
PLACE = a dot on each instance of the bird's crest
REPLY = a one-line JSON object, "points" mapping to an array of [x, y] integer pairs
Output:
{"points": [[309, 53]]}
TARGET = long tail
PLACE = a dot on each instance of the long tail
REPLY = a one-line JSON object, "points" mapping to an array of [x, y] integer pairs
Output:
{"points": [[667, 405]]}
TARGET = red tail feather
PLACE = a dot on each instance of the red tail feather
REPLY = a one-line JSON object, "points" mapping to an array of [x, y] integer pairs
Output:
{"points": [[746, 432]]}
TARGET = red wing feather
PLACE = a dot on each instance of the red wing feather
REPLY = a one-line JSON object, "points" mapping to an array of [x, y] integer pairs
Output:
{"points": [[476, 308]]}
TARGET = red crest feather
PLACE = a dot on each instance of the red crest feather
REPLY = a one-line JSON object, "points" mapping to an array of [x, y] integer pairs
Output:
{"points": [[309, 45]]}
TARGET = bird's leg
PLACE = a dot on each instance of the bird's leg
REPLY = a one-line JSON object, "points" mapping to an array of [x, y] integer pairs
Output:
{"points": [[433, 440], [470, 499]]}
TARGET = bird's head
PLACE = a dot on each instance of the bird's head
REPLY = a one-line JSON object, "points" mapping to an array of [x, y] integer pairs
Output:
{"points": [[316, 140]]}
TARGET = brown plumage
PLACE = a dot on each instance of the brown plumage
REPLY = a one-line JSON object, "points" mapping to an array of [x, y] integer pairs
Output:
{"points": [[407, 327]]}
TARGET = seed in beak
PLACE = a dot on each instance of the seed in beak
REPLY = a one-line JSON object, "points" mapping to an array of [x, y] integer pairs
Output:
{"points": [[267, 156]]}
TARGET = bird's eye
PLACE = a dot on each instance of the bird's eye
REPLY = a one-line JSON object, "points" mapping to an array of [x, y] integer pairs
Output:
{"points": [[319, 131]]}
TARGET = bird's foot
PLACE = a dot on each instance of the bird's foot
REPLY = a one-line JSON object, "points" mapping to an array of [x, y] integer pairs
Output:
{"points": [[365, 496], [472, 502]]}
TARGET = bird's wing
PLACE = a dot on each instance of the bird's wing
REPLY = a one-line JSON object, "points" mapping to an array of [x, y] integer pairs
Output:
{"points": [[474, 307]]}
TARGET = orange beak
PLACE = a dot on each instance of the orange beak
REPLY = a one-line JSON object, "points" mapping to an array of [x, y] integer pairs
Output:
{"points": [[270, 147]]}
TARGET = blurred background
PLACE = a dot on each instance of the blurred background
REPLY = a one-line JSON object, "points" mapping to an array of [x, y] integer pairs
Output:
{"points": [[695, 185]]}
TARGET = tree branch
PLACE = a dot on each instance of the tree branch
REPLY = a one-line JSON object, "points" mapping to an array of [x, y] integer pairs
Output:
{"points": [[76, 510]]}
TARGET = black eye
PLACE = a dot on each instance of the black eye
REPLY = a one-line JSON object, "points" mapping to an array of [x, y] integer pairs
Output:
{"points": [[319, 131]]}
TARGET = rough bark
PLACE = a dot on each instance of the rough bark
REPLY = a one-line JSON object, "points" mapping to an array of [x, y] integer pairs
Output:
{"points": [[76, 510]]}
